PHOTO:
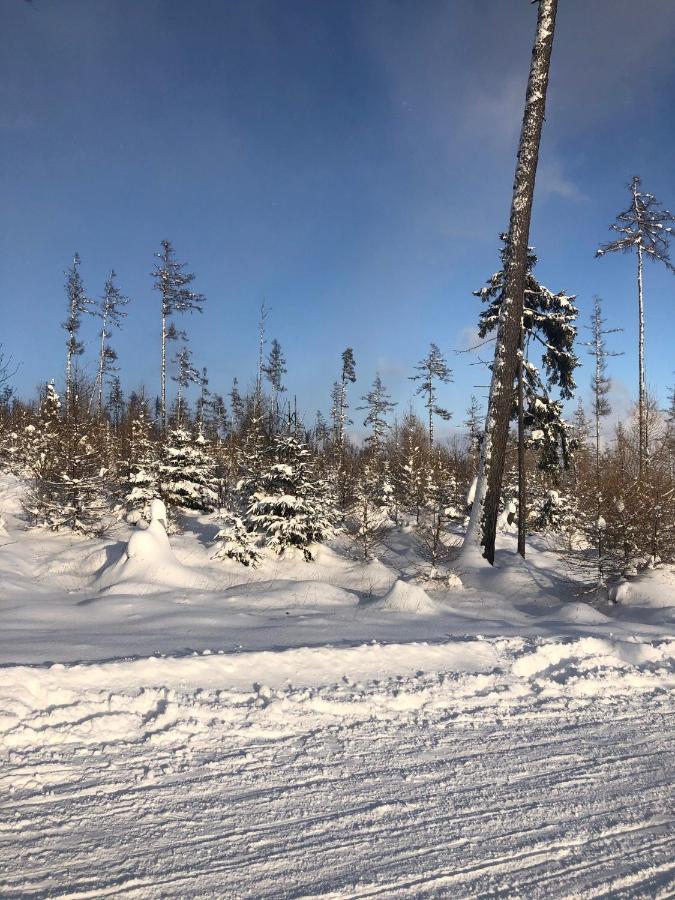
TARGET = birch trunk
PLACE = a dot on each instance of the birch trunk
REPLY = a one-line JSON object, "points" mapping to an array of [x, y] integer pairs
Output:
{"points": [[483, 521]]}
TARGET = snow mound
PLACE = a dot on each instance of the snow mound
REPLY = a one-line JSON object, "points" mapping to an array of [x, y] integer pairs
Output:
{"points": [[403, 596], [654, 589], [149, 564], [288, 593], [577, 614]]}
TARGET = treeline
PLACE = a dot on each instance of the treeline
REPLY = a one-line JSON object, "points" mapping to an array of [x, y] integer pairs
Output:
{"points": [[96, 455]]}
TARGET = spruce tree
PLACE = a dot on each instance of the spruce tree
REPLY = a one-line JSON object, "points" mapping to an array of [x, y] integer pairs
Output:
{"points": [[186, 472], [143, 478], [378, 403], [78, 304], [290, 506], [187, 375], [483, 522], [173, 284], [274, 371], [433, 368], [646, 228], [111, 312]]}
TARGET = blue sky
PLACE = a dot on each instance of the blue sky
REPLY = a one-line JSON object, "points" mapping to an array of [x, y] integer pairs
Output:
{"points": [[348, 161]]}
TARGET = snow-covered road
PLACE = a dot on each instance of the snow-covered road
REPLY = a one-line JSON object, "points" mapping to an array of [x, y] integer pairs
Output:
{"points": [[524, 768]]}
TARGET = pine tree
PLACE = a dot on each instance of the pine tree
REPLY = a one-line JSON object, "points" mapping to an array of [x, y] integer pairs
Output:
{"points": [[172, 283], [111, 312], [433, 368], [646, 228], [78, 304]]}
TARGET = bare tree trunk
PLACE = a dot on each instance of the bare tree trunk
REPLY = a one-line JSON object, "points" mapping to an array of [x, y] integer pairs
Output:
{"points": [[163, 372], [598, 499], [483, 521], [642, 449], [101, 365], [431, 418], [522, 500], [69, 380]]}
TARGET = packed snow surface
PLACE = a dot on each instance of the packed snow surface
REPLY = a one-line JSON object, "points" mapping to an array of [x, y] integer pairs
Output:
{"points": [[189, 728]]}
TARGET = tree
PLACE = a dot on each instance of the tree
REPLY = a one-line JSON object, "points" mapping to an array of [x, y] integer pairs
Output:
{"points": [[378, 403], [274, 371], [548, 320], [237, 405], [143, 478], [474, 427], [290, 505], [116, 402], [340, 403], [78, 304], [186, 472], [483, 521], [172, 282], [69, 486], [432, 368], [600, 382], [646, 228], [235, 541], [187, 375], [111, 311], [264, 311]]}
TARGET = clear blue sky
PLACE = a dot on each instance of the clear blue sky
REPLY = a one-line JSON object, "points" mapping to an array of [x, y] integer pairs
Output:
{"points": [[350, 161]]}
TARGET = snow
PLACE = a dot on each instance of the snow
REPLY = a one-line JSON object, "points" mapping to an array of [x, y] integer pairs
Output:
{"points": [[173, 725]]}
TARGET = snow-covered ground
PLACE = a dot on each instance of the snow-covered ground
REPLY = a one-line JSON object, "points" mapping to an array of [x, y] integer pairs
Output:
{"points": [[178, 726]]}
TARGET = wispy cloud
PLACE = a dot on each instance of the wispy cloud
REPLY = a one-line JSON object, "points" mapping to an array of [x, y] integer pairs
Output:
{"points": [[552, 181]]}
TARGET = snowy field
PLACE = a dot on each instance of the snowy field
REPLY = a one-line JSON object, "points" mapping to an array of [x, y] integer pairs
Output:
{"points": [[178, 726]]}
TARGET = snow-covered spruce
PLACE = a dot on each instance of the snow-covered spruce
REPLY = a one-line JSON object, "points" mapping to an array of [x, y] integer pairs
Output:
{"points": [[68, 488], [234, 541], [143, 478], [186, 472], [289, 506]]}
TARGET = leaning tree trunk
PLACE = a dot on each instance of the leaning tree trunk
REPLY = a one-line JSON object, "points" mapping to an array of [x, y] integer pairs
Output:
{"points": [[483, 522]]}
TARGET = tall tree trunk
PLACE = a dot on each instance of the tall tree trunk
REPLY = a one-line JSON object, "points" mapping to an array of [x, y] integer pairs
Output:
{"points": [[101, 365], [642, 391], [598, 499], [163, 372], [522, 500], [69, 379], [483, 521], [431, 418]]}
